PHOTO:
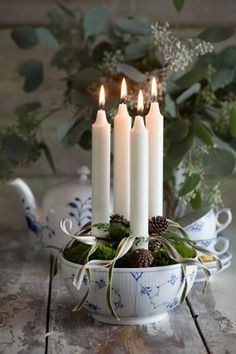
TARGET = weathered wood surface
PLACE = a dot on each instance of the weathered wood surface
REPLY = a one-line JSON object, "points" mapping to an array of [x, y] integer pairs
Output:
{"points": [[24, 280], [194, 13], [76, 332], [216, 310], [206, 324]]}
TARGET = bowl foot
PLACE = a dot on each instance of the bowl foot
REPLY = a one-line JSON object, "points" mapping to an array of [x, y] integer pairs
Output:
{"points": [[124, 321]]}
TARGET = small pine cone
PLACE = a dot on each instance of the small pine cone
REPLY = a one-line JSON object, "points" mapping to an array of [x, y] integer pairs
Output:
{"points": [[154, 245], [141, 258], [157, 225], [119, 219]]}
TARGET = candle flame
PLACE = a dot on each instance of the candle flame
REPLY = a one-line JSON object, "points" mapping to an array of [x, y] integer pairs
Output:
{"points": [[154, 88], [123, 92], [102, 97], [140, 102]]}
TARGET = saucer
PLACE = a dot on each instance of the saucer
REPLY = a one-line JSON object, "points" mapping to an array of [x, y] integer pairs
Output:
{"points": [[226, 257], [200, 275]]}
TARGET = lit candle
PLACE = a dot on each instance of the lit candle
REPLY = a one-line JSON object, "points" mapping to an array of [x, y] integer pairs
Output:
{"points": [[101, 147], [155, 126], [121, 177], [139, 175]]}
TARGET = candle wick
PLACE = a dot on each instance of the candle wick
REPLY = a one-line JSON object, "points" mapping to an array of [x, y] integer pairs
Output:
{"points": [[101, 107], [122, 100], [154, 99], [140, 112]]}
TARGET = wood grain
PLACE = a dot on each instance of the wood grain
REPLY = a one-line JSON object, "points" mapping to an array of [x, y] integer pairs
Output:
{"points": [[218, 330], [24, 283], [76, 332]]}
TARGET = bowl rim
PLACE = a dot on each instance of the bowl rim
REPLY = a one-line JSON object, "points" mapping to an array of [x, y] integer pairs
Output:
{"points": [[73, 265]]}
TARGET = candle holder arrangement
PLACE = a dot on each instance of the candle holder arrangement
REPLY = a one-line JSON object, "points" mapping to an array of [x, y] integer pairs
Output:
{"points": [[132, 267], [119, 282]]}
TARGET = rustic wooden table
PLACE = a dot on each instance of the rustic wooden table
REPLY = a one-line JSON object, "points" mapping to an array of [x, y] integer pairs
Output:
{"points": [[32, 304]]}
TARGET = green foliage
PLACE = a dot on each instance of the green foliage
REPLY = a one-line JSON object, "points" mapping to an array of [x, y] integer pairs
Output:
{"points": [[32, 71], [115, 232], [219, 162], [78, 252], [216, 34], [203, 133], [25, 37], [232, 121], [190, 183], [96, 21], [178, 4], [196, 89], [161, 257]]}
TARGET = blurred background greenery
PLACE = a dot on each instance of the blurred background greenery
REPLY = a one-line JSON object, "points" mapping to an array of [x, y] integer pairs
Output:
{"points": [[55, 56]]}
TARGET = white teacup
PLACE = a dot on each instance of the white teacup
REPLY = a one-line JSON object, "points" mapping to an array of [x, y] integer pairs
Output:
{"points": [[207, 226], [217, 245]]}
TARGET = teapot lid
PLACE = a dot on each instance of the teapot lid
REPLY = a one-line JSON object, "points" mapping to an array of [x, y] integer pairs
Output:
{"points": [[84, 173]]}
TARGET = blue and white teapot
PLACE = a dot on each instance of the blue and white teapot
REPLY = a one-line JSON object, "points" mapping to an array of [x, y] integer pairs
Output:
{"points": [[69, 199]]}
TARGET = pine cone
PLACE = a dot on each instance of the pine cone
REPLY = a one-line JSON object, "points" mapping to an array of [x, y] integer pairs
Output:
{"points": [[157, 225], [119, 219], [154, 245], [141, 258]]}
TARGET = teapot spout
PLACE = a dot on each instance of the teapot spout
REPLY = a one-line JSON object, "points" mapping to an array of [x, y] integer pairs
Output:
{"points": [[31, 211]]}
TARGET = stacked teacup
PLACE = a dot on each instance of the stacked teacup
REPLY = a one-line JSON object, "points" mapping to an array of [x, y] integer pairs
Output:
{"points": [[205, 231]]}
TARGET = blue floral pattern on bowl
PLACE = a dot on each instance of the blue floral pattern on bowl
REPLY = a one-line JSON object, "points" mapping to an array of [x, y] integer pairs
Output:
{"points": [[135, 294]]}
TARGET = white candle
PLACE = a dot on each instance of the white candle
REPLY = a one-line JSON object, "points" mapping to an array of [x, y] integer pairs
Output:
{"points": [[155, 126], [121, 177], [101, 147], [139, 175]]}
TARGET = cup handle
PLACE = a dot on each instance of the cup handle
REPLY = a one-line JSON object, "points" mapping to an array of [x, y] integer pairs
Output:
{"points": [[223, 241], [221, 226]]}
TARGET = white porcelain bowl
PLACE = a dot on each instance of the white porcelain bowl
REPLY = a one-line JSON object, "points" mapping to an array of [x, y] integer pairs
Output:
{"points": [[140, 295]]}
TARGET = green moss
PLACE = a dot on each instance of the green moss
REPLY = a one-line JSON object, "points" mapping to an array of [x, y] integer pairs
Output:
{"points": [[103, 251], [161, 257], [117, 232], [78, 252]]}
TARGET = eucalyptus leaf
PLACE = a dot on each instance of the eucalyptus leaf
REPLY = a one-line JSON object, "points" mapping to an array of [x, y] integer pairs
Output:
{"points": [[219, 162], [96, 20], [178, 150], [25, 37], [170, 166], [47, 37], [48, 155], [32, 71], [131, 72], [133, 26], [190, 183], [23, 109], [134, 51], [196, 201], [170, 106], [178, 4], [203, 133], [86, 140], [192, 90], [87, 75], [223, 77], [14, 147], [70, 132], [232, 121], [214, 35], [191, 77], [81, 98], [227, 58], [178, 130]]}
